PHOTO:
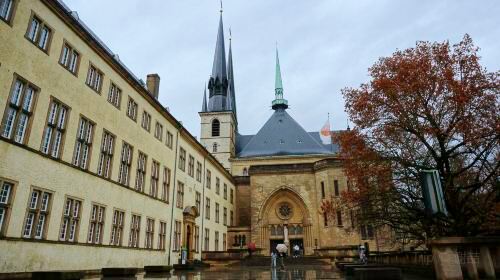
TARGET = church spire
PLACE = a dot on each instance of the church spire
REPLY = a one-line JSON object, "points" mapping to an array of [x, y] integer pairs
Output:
{"points": [[278, 102], [219, 65], [218, 83], [231, 100], [204, 105]]}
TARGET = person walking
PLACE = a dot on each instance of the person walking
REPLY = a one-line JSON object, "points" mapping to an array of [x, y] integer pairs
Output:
{"points": [[273, 259], [296, 251], [362, 255]]}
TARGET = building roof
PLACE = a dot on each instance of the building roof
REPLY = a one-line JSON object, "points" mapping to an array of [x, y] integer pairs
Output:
{"points": [[281, 135]]}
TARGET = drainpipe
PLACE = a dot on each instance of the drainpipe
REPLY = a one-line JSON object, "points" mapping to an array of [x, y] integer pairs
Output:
{"points": [[172, 221], [202, 229]]}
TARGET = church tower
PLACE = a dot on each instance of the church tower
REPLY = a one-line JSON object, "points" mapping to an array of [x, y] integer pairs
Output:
{"points": [[218, 114]]}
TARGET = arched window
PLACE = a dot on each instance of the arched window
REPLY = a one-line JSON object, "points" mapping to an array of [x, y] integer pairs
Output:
{"points": [[215, 128], [245, 171], [214, 148]]}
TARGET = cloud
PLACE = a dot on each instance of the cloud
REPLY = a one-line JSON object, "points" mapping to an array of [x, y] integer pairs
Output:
{"points": [[324, 47]]}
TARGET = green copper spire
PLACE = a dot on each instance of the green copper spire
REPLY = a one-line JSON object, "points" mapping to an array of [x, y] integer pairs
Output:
{"points": [[278, 102]]}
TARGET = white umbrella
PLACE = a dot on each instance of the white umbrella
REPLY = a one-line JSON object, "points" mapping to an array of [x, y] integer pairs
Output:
{"points": [[281, 248]]}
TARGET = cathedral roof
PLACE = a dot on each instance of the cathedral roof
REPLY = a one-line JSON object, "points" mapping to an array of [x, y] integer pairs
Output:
{"points": [[281, 135]]}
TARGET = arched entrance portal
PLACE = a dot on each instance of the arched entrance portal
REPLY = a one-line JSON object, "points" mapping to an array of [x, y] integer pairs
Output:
{"points": [[190, 213], [284, 218]]}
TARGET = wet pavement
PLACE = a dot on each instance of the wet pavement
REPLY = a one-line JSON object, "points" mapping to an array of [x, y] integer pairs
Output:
{"points": [[257, 273]]}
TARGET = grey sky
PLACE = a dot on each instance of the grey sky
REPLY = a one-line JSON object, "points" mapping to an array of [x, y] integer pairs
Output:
{"points": [[324, 46]]}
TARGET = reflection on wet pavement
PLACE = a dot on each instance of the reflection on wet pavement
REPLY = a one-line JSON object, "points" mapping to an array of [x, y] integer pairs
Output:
{"points": [[258, 273], [254, 273]]}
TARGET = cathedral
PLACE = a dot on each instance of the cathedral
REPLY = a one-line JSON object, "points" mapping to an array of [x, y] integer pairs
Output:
{"points": [[282, 174], [96, 172]]}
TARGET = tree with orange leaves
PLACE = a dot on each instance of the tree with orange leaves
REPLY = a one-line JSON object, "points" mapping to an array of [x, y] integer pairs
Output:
{"points": [[428, 107]]}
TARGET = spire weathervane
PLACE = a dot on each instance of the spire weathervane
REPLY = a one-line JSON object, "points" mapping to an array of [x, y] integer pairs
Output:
{"points": [[278, 102], [221, 6]]}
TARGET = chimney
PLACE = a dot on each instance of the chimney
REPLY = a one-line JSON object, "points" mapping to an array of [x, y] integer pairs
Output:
{"points": [[153, 84]]}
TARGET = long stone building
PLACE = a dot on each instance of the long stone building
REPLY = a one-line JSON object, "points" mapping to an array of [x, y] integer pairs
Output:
{"points": [[95, 172]]}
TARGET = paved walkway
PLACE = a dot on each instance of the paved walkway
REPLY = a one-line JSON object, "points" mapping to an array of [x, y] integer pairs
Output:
{"points": [[258, 273]]}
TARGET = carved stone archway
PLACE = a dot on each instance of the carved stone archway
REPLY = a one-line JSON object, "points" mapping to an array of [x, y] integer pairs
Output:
{"points": [[284, 216]]}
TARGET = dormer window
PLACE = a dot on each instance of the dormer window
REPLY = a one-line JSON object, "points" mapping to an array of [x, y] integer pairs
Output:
{"points": [[215, 128]]}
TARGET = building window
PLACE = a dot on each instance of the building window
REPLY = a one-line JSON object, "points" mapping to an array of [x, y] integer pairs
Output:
{"points": [[71, 220], [225, 191], [207, 239], [39, 33], [125, 163], [198, 171], [6, 8], [198, 201], [117, 228], [70, 58], [106, 157], [191, 166], [5, 204], [177, 235], [115, 95], [215, 128], [217, 185], [216, 241], [38, 214], [209, 179], [225, 187], [94, 78], [155, 176], [96, 224], [323, 190], [207, 208], [214, 148], [55, 129], [245, 171], [159, 131], [366, 232], [339, 218], [19, 111], [197, 238], [325, 219], [231, 196], [162, 236], [224, 242], [146, 121], [150, 231], [135, 229], [231, 218], [132, 109], [180, 195], [336, 187], [83, 144], [140, 177], [225, 216], [170, 140], [166, 184], [182, 159], [217, 212]]}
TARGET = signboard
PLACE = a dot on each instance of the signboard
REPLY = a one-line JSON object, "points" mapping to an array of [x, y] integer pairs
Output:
{"points": [[432, 192]]}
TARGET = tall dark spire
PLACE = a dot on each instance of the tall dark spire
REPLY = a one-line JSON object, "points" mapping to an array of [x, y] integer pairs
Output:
{"points": [[204, 105], [218, 83], [231, 92]]}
